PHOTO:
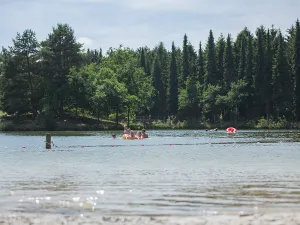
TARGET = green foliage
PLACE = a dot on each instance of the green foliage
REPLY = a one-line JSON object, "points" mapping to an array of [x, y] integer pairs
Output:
{"points": [[263, 123], [252, 77], [210, 106]]}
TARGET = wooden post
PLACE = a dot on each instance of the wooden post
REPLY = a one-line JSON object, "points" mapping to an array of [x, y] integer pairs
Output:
{"points": [[48, 141]]}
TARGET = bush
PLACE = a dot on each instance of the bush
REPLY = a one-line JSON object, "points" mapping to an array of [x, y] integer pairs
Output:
{"points": [[281, 123]]}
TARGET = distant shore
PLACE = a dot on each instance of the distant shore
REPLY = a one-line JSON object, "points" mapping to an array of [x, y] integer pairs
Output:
{"points": [[81, 123], [265, 219]]}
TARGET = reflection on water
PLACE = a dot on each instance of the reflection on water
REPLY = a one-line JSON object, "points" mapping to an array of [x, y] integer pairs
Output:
{"points": [[171, 173]]}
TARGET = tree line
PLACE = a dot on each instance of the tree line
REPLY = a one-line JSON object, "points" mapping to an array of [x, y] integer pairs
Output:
{"points": [[256, 75]]}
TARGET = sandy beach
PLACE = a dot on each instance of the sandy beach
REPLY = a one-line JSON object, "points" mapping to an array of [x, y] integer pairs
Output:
{"points": [[257, 219]]}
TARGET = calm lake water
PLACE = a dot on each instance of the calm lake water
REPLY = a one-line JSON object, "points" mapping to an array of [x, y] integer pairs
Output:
{"points": [[172, 173]]}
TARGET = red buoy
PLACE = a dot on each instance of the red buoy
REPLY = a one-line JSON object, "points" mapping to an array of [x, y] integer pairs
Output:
{"points": [[231, 130]]}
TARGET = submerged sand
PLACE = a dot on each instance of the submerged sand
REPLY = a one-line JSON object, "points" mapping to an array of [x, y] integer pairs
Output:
{"points": [[257, 219]]}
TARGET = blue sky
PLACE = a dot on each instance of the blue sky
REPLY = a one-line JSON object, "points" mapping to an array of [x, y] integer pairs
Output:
{"points": [[136, 23]]}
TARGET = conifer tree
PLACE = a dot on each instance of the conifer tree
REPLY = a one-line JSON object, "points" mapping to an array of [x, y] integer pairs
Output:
{"points": [[185, 61], [297, 69], [201, 69], [228, 63], [173, 100], [211, 69], [220, 58], [268, 77], [282, 95]]}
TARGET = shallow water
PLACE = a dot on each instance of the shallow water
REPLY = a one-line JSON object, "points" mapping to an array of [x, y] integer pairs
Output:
{"points": [[171, 173]]}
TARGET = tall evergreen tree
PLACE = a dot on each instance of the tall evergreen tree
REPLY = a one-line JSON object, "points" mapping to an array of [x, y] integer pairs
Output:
{"points": [[22, 82], [237, 46], [242, 63], [173, 100], [143, 62], [241, 75], [228, 63], [164, 62], [60, 53], [282, 95], [268, 76], [185, 61], [201, 69], [192, 60], [26, 48], [259, 72], [221, 44], [249, 78], [14, 89], [297, 69], [211, 69], [159, 99]]}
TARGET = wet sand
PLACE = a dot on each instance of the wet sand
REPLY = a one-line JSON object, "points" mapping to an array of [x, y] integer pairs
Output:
{"points": [[257, 219]]}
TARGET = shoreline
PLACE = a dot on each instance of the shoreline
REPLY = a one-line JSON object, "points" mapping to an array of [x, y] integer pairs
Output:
{"points": [[291, 218], [110, 126], [82, 123]]}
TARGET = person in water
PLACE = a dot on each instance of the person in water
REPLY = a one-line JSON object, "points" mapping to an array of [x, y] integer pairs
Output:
{"points": [[144, 135], [126, 130], [216, 129], [139, 134], [132, 135]]}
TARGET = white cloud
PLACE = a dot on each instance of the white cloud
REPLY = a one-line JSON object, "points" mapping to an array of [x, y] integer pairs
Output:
{"points": [[87, 42]]}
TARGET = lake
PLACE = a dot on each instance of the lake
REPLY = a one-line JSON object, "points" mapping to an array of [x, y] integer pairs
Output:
{"points": [[186, 172]]}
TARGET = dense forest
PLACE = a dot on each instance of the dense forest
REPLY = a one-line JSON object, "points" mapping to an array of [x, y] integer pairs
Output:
{"points": [[255, 76]]}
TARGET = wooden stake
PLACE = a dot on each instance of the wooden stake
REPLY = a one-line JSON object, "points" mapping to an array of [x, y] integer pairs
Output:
{"points": [[48, 141]]}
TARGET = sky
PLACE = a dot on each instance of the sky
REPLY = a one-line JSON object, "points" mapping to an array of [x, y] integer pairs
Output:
{"points": [[136, 23]]}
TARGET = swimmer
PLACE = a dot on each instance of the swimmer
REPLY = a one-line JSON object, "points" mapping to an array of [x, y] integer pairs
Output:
{"points": [[132, 135], [139, 134], [144, 135], [126, 130]]}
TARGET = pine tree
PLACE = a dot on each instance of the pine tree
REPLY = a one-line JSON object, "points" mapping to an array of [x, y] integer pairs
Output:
{"points": [[143, 62], [242, 62], [268, 77], [201, 69], [228, 63], [192, 60], [259, 72], [162, 53], [60, 53], [211, 69], [220, 58], [297, 69], [21, 81], [185, 61], [282, 95], [173, 100], [249, 77], [159, 100], [241, 75]]}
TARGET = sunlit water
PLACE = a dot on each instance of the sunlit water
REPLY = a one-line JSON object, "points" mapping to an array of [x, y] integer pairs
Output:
{"points": [[171, 173]]}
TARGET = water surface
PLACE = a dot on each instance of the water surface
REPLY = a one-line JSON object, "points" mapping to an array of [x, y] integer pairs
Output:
{"points": [[183, 172]]}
